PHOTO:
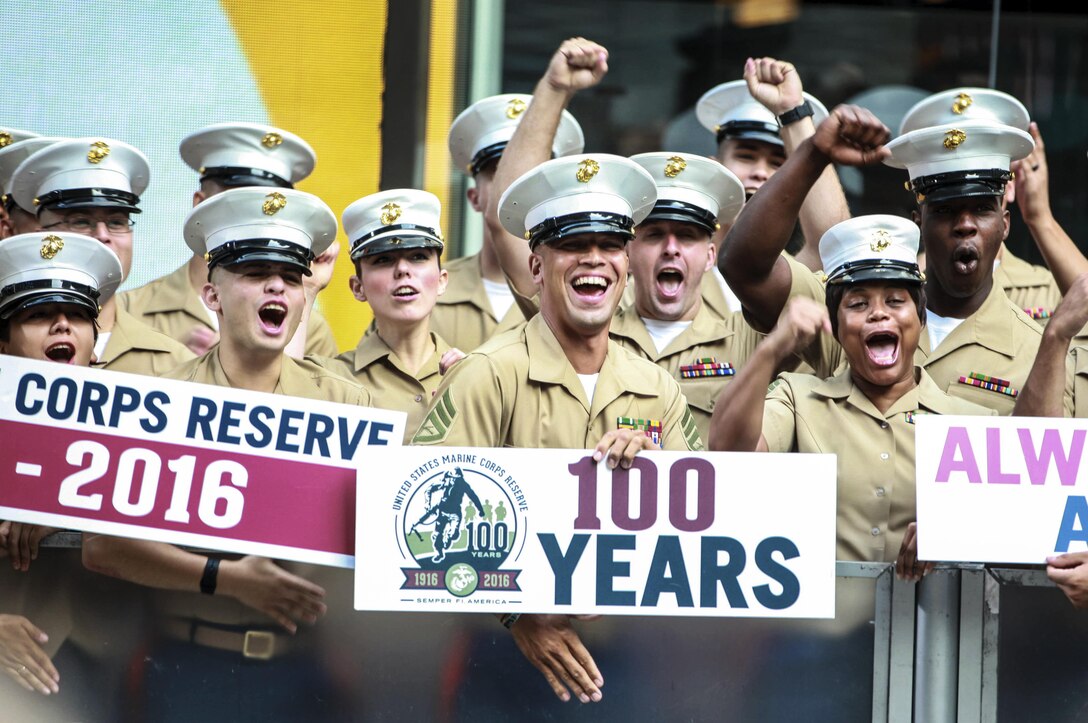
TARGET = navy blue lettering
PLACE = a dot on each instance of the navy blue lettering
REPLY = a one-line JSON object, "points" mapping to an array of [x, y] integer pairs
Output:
{"points": [[609, 568], [668, 557], [711, 573], [91, 402], [347, 446], [53, 403], [257, 417], [288, 428], [230, 419], [563, 564], [23, 405], [772, 568], [153, 404], [125, 399], [201, 413], [318, 437]]}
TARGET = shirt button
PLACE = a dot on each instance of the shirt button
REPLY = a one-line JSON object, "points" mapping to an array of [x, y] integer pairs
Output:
{"points": [[875, 531], [883, 425], [419, 397], [879, 491], [883, 455]]}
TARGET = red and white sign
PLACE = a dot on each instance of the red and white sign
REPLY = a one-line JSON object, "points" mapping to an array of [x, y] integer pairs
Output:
{"points": [[190, 464]]}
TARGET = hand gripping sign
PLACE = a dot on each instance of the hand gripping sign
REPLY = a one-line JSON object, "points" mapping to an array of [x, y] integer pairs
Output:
{"points": [[548, 530], [190, 464], [1001, 489]]}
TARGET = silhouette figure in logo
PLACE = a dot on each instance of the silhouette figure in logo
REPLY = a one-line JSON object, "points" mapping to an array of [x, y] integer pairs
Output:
{"points": [[500, 512], [446, 511], [487, 511]]}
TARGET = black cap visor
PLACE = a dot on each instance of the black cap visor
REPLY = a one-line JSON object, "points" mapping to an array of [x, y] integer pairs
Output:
{"points": [[398, 242], [750, 131], [858, 272], [666, 210], [263, 249], [242, 177], [90, 198], [576, 224], [28, 294], [960, 184]]}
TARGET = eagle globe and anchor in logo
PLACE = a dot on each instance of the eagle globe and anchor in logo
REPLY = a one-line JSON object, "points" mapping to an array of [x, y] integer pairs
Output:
{"points": [[459, 526]]}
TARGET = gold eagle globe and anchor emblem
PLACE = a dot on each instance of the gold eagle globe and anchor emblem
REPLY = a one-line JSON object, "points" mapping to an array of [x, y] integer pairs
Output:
{"points": [[880, 241], [51, 246], [674, 166], [587, 169], [5, 139], [515, 107], [954, 138], [962, 102], [273, 203], [271, 140], [390, 213], [99, 150]]}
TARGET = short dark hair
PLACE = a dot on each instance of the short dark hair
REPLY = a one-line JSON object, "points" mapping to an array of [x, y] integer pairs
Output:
{"points": [[835, 292]]}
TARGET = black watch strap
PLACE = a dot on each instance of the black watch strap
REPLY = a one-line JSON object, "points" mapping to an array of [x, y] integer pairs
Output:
{"points": [[211, 576], [795, 114]]}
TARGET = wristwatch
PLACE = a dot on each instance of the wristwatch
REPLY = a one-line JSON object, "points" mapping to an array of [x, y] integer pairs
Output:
{"points": [[795, 114]]}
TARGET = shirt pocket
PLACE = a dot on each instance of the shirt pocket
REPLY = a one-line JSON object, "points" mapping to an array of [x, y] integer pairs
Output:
{"points": [[999, 401], [703, 393]]}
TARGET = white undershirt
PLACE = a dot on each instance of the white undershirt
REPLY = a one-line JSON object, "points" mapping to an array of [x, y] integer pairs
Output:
{"points": [[589, 383], [500, 296], [663, 332], [939, 328], [100, 345], [731, 299]]}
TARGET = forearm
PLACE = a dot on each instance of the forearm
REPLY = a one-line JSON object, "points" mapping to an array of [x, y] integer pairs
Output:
{"points": [[1043, 392], [1062, 256], [824, 206], [151, 564], [530, 146], [752, 247], [737, 422]]}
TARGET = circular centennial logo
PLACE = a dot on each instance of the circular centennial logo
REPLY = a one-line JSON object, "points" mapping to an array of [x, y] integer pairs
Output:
{"points": [[459, 526]]}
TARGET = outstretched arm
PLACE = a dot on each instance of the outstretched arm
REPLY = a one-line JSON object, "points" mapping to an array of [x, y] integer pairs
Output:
{"points": [[777, 85], [1032, 187], [578, 64], [752, 262], [1044, 391], [253, 581], [737, 423]]}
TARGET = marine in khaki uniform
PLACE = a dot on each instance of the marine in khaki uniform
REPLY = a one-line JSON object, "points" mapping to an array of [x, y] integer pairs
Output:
{"points": [[92, 186], [229, 155], [978, 345], [478, 303], [559, 381], [396, 246], [865, 414], [1031, 288], [51, 285], [669, 323], [221, 623]]}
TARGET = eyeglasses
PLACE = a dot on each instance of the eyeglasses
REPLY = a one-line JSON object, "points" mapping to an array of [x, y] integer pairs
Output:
{"points": [[86, 224]]}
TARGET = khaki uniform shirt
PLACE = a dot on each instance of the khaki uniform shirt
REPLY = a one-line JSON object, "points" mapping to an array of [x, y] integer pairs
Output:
{"points": [[463, 315], [728, 340], [137, 348], [1079, 357], [876, 453], [378, 368], [169, 305], [998, 340], [1031, 288], [297, 379], [519, 390]]}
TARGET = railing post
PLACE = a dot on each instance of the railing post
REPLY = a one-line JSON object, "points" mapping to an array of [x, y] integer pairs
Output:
{"points": [[936, 669]]}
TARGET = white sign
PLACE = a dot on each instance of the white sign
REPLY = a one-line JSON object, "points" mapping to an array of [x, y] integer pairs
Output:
{"points": [[548, 530], [1001, 489], [190, 464]]}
